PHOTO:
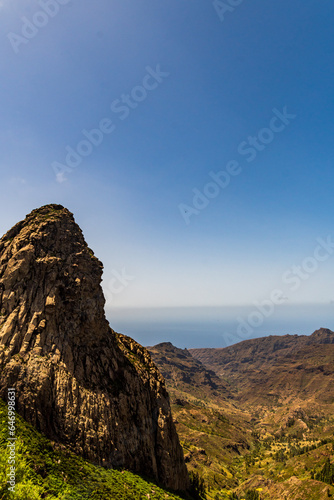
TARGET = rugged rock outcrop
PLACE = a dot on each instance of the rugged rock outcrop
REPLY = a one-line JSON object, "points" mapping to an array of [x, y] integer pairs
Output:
{"points": [[76, 380]]}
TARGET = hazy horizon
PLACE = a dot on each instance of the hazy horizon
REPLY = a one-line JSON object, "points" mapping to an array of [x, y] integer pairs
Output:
{"points": [[194, 147], [214, 326]]}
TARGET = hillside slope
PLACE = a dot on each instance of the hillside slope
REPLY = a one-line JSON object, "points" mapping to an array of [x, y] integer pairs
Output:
{"points": [[272, 437], [277, 370]]}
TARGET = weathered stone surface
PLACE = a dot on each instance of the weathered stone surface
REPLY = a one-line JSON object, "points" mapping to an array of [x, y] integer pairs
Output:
{"points": [[78, 381]]}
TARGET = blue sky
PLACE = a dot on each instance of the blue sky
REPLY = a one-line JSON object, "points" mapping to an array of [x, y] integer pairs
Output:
{"points": [[222, 78]]}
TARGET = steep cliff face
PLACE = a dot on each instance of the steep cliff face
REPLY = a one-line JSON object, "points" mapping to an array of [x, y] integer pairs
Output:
{"points": [[76, 380]]}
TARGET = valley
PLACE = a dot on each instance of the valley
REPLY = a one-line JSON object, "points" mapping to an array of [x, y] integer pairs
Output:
{"points": [[265, 428]]}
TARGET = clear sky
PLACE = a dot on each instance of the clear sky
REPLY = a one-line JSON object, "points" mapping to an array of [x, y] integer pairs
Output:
{"points": [[207, 182]]}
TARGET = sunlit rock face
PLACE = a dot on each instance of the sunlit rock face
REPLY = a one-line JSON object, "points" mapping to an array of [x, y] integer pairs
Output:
{"points": [[76, 380]]}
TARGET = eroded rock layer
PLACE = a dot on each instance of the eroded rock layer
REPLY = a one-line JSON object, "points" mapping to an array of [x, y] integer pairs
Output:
{"points": [[76, 380]]}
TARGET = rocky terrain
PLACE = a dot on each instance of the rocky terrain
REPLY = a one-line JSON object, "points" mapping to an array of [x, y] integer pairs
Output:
{"points": [[76, 380], [266, 430], [184, 372], [277, 370]]}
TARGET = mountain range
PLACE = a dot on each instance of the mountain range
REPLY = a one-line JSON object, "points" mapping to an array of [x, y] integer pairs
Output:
{"points": [[266, 425]]}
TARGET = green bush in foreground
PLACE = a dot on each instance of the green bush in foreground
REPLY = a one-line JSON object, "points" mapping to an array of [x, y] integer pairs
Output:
{"points": [[45, 472]]}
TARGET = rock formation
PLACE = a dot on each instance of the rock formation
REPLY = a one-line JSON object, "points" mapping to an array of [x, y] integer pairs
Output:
{"points": [[76, 380]]}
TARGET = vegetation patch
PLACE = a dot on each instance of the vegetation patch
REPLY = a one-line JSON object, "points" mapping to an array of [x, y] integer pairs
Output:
{"points": [[45, 470]]}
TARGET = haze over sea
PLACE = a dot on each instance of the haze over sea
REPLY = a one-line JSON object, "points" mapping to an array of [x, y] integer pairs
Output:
{"points": [[215, 326]]}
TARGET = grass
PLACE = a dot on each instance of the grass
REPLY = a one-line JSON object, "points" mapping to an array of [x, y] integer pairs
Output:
{"points": [[44, 470]]}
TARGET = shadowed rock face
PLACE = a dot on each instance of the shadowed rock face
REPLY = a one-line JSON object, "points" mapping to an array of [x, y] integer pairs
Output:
{"points": [[76, 380]]}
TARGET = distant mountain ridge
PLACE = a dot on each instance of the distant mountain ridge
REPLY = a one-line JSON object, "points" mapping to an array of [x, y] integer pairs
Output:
{"points": [[182, 371], [263, 346], [260, 369], [276, 366]]}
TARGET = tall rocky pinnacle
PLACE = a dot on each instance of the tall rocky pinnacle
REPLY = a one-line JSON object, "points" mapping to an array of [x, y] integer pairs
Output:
{"points": [[76, 380]]}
